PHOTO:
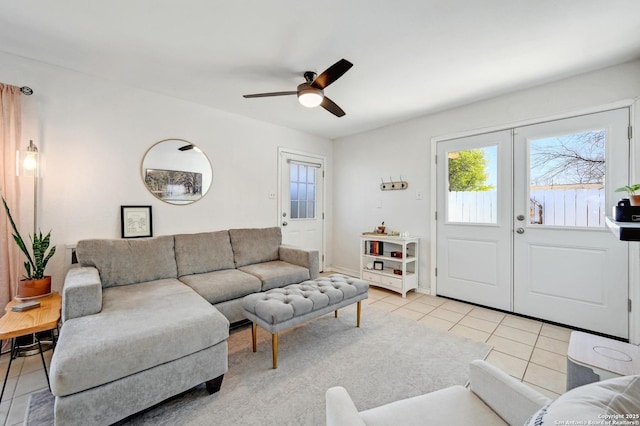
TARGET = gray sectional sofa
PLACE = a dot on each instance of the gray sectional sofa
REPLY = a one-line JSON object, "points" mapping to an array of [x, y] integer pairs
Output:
{"points": [[146, 319]]}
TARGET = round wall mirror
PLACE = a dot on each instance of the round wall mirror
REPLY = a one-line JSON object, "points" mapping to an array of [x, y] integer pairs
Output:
{"points": [[176, 171]]}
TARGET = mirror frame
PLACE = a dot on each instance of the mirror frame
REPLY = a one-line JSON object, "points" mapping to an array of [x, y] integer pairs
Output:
{"points": [[206, 186]]}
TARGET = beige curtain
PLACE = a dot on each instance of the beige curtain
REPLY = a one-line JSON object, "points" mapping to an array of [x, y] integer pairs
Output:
{"points": [[10, 128]]}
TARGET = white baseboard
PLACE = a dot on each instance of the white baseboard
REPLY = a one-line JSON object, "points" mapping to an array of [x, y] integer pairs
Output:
{"points": [[350, 272]]}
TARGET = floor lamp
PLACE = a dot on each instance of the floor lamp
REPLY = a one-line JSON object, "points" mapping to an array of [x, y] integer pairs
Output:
{"points": [[28, 165]]}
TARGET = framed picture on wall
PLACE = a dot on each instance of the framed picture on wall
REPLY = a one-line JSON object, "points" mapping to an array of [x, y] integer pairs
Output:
{"points": [[174, 185], [135, 221]]}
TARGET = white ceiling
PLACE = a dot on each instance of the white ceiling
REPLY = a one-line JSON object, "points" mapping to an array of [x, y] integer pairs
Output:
{"points": [[411, 57]]}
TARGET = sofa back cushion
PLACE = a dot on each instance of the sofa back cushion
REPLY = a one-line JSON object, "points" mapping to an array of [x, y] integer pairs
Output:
{"points": [[122, 262], [255, 245], [203, 252]]}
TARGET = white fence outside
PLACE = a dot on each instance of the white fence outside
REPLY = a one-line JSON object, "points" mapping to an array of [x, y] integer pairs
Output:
{"points": [[555, 207]]}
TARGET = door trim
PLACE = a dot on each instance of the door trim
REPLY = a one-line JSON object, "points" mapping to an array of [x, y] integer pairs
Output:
{"points": [[316, 158]]}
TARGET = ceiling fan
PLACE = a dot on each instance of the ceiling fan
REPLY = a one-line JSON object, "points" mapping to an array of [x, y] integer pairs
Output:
{"points": [[311, 92]]}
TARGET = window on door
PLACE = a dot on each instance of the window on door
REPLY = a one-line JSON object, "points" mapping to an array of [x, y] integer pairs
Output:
{"points": [[302, 183], [566, 179], [472, 179]]}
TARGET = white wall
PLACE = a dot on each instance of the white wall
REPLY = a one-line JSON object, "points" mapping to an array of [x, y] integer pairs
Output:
{"points": [[405, 149], [94, 134]]}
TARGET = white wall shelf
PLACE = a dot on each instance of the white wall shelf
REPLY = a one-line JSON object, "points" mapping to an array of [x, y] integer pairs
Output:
{"points": [[405, 262]]}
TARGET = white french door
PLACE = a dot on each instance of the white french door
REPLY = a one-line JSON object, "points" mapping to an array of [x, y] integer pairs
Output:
{"points": [[553, 185], [301, 201], [568, 267], [474, 224]]}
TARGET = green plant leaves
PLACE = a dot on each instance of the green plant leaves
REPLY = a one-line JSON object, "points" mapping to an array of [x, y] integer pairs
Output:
{"points": [[34, 266], [631, 189]]}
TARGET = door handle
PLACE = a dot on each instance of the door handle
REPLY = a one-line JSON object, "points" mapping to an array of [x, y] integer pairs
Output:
{"points": [[520, 217], [284, 223], [520, 230]]}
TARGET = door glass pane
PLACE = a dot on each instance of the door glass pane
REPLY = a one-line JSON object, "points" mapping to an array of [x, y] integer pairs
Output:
{"points": [[473, 184], [566, 179], [302, 191]]}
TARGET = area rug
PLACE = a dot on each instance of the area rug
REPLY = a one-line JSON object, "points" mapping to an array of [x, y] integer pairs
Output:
{"points": [[388, 358]]}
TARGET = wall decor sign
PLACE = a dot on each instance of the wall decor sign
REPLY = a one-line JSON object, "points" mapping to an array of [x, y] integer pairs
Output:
{"points": [[136, 221], [174, 185]]}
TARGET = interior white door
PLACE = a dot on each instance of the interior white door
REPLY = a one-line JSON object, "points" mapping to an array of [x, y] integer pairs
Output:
{"points": [[474, 219], [301, 200], [568, 268]]}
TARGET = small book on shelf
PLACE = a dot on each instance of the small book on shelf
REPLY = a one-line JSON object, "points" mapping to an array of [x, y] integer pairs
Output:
{"points": [[376, 248]]}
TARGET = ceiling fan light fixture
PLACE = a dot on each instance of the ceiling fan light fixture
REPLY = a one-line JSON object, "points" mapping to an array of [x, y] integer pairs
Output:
{"points": [[311, 93], [309, 96]]}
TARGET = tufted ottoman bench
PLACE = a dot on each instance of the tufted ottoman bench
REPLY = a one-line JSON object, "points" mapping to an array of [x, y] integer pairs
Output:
{"points": [[279, 309]]}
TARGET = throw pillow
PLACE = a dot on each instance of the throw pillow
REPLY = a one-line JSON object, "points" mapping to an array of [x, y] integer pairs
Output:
{"points": [[613, 401]]}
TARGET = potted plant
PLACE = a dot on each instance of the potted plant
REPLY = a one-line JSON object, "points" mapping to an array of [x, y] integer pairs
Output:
{"points": [[631, 190], [35, 282]]}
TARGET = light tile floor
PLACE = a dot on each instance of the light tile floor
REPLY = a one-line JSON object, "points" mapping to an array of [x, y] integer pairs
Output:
{"points": [[26, 376], [531, 351]]}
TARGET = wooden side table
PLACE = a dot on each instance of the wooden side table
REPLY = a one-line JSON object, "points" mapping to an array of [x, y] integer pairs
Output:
{"points": [[17, 324]]}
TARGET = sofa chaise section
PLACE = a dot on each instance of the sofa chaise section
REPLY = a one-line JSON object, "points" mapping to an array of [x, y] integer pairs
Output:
{"points": [[130, 341]]}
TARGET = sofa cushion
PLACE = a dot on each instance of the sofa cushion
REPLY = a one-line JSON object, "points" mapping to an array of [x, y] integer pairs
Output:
{"points": [[277, 273], [140, 326], [220, 286], [131, 261], [203, 252], [454, 405], [255, 245], [605, 402]]}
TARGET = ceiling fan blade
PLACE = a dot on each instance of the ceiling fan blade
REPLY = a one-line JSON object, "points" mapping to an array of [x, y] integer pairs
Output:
{"points": [[264, 95], [332, 73], [331, 106]]}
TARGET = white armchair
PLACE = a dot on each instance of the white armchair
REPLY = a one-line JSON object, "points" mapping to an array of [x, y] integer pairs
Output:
{"points": [[493, 398]]}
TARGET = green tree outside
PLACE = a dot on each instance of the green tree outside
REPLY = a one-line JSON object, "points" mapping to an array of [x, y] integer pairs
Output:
{"points": [[467, 171]]}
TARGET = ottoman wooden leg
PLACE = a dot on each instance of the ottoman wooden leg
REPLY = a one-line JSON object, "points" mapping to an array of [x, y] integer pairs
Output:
{"points": [[359, 312], [254, 332], [336, 314], [274, 349]]}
